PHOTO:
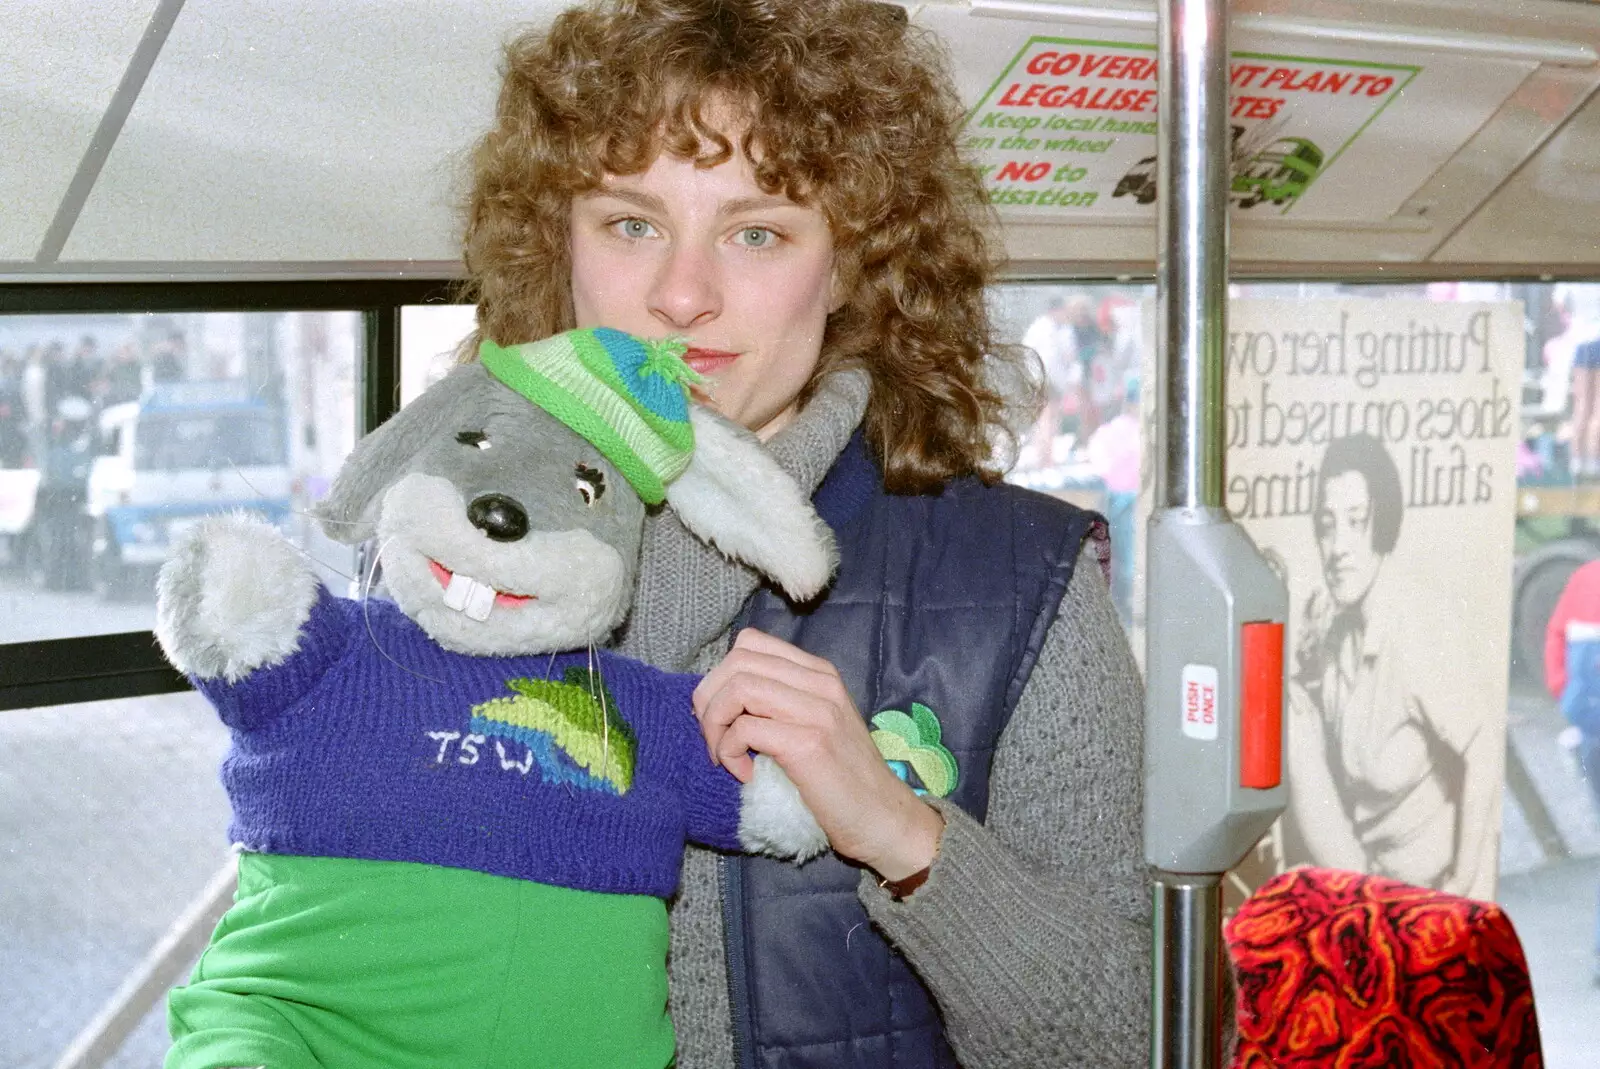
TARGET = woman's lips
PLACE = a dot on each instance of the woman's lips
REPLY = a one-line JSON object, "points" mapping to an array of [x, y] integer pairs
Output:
{"points": [[709, 361]]}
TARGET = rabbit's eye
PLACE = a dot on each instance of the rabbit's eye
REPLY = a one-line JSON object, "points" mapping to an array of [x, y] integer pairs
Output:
{"points": [[591, 483], [477, 438]]}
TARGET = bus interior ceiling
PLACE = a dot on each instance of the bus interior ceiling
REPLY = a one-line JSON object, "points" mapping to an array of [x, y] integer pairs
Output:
{"points": [[229, 139]]}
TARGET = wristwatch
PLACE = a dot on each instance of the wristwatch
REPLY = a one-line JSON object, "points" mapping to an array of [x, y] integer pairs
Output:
{"points": [[901, 889]]}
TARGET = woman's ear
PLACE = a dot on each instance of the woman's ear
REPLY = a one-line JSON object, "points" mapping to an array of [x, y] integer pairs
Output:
{"points": [[736, 497], [839, 291]]}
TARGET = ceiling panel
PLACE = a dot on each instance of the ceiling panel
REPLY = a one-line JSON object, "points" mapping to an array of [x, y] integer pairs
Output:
{"points": [[296, 133], [296, 130], [1549, 212], [54, 87]]}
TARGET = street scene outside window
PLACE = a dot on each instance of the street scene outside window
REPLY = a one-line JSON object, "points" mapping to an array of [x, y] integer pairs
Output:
{"points": [[119, 431], [114, 807]]}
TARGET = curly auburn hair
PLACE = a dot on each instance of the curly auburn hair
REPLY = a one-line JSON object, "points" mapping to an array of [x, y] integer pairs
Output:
{"points": [[842, 105]]}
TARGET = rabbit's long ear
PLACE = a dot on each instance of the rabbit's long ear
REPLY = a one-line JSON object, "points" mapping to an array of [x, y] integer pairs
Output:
{"points": [[350, 511], [735, 496]]}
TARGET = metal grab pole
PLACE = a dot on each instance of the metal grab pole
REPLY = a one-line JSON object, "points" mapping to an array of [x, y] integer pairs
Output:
{"points": [[1192, 290], [1192, 236], [1214, 611], [1188, 979]]}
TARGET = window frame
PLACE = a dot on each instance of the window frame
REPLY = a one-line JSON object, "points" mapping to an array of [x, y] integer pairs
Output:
{"points": [[130, 664]]}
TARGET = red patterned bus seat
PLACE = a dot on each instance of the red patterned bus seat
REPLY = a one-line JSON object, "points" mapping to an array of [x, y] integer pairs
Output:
{"points": [[1341, 970]]}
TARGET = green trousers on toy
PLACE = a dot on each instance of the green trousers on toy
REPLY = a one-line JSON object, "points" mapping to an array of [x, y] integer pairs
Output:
{"points": [[325, 963]]}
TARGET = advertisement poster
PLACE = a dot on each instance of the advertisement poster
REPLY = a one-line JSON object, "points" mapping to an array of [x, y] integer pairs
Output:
{"points": [[1069, 127], [1371, 456]]}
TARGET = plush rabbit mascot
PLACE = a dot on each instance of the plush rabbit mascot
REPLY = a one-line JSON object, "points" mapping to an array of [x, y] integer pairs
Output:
{"points": [[458, 817]]}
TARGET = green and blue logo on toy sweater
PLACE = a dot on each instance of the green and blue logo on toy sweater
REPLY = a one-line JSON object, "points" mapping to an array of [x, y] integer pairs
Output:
{"points": [[571, 727]]}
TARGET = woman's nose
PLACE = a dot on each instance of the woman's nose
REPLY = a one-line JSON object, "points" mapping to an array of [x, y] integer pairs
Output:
{"points": [[498, 516], [686, 291]]}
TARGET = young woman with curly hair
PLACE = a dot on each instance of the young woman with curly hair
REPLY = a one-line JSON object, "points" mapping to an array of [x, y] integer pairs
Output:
{"points": [[778, 181]]}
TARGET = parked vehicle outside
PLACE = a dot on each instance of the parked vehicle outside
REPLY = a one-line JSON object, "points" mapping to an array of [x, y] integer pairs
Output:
{"points": [[183, 451]]}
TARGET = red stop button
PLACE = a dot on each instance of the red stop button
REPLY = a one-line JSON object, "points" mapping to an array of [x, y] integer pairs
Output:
{"points": [[1261, 705]]}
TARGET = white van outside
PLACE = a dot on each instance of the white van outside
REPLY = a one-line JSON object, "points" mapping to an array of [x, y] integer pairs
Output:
{"points": [[181, 452]]}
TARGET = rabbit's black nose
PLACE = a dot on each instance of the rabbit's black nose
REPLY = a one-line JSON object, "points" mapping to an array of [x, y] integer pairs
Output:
{"points": [[499, 517]]}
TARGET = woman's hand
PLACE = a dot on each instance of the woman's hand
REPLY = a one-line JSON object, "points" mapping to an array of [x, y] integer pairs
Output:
{"points": [[775, 698]]}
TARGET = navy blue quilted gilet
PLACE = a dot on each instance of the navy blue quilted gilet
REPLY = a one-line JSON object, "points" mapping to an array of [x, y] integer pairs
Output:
{"points": [[942, 600]]}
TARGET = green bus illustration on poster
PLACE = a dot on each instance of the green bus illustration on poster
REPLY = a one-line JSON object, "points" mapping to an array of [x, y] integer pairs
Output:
{"points": [[1277, 174]]}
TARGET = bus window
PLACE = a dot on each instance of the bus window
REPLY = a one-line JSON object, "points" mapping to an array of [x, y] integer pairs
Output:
{"points": [[119, 431], [1085, 445], [430, 337], [249, 436]]}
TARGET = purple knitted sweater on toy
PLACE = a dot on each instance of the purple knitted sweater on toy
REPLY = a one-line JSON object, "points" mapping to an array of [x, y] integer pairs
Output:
{"points": [[371, 741]]}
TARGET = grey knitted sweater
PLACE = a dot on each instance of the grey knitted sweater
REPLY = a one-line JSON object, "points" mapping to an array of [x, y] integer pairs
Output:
{"points": [[1032, 930]]}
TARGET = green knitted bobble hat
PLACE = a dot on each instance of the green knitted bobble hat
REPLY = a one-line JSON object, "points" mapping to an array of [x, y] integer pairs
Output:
{"points": [[627, 396]]}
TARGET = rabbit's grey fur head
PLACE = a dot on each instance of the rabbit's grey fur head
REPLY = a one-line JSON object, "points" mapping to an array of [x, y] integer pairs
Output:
{"points": [[502, 531]]}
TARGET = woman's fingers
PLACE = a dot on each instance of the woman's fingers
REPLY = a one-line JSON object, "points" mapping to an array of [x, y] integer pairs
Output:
{"points": [[868, 814], [768, 665], [761, 642], [772, 698], [749, 733], [745, 674], [746, 695]]}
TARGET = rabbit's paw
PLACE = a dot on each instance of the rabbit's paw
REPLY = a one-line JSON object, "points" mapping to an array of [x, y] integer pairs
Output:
{"points": [[232, 598], [773, 819]]}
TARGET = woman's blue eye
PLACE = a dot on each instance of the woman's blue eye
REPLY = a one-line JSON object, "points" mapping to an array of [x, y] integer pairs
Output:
{"points": [[635, 228], [756, 237]]}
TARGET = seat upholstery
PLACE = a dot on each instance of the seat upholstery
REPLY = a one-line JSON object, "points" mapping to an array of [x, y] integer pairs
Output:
{"points": [[1349, 971]]}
